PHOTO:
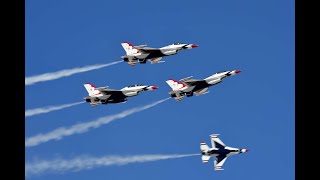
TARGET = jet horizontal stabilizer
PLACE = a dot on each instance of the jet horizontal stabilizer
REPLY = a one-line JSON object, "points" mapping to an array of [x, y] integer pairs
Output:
{"points": [[102, 88], [94, 103], [218, 168], [214, 135], [205, 158], [179, 98], [187, 78], [140, 46], [132, 63], [171, 92]]}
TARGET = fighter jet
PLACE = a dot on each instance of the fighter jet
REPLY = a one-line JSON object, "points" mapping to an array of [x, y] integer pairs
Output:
{"points": [[104, 95], [188, 87], [142, 53], [219, 151]]}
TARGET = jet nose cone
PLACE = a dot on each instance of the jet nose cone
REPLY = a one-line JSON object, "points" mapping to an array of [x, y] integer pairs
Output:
{"points": [[237, 71], [154, 87], [245, 150], [194, 45]]}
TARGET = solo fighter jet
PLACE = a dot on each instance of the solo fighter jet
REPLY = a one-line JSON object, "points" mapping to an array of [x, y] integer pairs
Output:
{"points": [[104, 95], [219, 151], [188, 86], [142, 53]]}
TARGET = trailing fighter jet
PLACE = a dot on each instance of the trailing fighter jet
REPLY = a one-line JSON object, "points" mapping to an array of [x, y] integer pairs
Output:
{"points": [[104, 95], [142, 53], [188, 86], [219, 151]]}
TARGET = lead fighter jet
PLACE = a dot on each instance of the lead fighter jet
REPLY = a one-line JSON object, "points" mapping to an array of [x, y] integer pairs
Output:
{"points": [[188, 87], [104, 95], [142, 53], [219, 151]]}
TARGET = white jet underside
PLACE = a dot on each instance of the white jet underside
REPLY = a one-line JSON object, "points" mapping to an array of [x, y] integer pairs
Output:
{"points": [[215, 143]]}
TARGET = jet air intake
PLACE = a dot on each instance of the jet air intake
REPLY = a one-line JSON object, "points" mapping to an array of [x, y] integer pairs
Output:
{"points": [[131, 94], [215, 81], [170, 52]]}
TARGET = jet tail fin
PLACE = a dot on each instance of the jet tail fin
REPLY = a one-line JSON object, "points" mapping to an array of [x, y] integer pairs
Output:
{"points": [[204, 146], [175, 85], [92, 90], [129, 48], [205, 158]]}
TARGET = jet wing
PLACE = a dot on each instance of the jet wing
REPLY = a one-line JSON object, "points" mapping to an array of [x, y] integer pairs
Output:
{"points": [[193, 82], [108, 90], [104, 97], [219, 161], [155, 60], [216, 142], [201, 91], [112, 92], [148, 50], [113, 95]]}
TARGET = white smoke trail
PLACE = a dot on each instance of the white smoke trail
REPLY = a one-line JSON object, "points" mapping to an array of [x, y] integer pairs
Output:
{"points": [[39, 167], [32, 112], [61, 132], [63, 73]]}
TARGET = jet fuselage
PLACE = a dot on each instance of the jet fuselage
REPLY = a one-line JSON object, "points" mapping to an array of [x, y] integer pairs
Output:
{"points": [[223, 151], [142, 54], [105, 95], [194, 86]]}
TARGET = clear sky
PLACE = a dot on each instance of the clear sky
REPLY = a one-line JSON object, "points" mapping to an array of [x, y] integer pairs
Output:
{"points": [[254, 109]]}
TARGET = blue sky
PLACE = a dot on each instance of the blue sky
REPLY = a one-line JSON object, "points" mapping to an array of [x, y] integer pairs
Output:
{"points": [[254, 109]]}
